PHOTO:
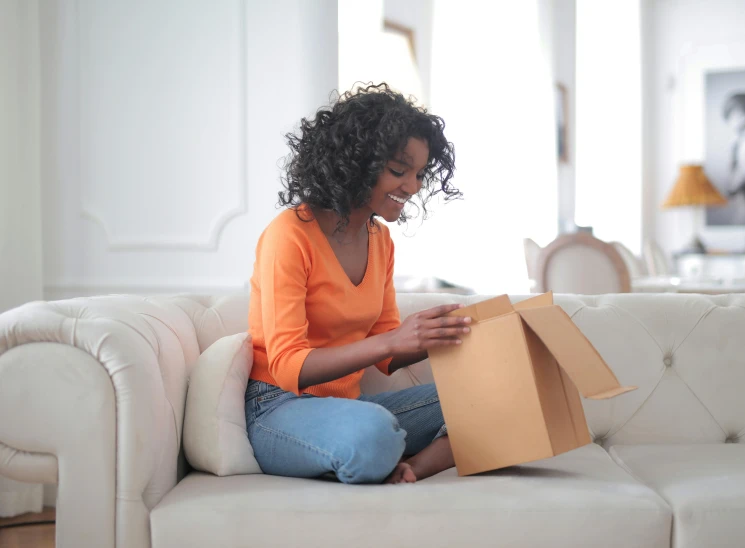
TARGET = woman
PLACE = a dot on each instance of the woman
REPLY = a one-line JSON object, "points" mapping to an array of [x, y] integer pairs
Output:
{"points": [[323, 306]]}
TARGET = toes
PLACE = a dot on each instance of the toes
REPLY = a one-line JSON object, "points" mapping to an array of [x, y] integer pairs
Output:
{"points": [[408, 475], [395, 476], [403, 473]]}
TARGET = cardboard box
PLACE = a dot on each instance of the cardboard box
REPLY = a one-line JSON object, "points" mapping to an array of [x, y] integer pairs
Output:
{"points": [[509, 392]]}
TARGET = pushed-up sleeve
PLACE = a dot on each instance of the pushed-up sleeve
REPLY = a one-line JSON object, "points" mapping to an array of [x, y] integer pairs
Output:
{"points": [[284, 265]]}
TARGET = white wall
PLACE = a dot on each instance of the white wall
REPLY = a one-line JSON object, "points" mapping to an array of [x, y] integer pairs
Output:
{"points": [[163, 125], [680, 38], [20, 210], [20, 205]]}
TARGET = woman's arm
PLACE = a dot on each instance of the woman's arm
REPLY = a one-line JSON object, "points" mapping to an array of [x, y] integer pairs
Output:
{"points": [[328, 364], [407, 344], [405, 360]]}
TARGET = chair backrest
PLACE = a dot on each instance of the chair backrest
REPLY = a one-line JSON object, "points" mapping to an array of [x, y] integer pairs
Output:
{"points": [[581, 264], [657, 262], [532, 250], [636, 266]]}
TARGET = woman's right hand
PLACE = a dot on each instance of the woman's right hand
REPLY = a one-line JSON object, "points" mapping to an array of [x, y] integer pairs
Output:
{"points": [[428, 329]]}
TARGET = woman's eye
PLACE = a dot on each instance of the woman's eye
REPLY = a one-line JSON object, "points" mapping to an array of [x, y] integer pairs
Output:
{"points": [[396, 173]]}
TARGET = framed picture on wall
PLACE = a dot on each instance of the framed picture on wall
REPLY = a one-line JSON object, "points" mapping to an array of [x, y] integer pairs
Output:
{"points": [[706, 76], [561, 106], [724, 153]]}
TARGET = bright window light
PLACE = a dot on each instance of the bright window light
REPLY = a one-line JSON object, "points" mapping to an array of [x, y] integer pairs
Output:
{"points": [[492, 84], [609, 178]]}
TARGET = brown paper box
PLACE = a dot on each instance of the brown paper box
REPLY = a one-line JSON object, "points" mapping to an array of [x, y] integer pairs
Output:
{"points": [[510, 391]]}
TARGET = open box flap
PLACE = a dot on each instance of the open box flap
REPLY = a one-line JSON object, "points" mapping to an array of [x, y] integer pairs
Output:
{"points": [[485, 310], [574, 353], [499, 306], [545, 299]]}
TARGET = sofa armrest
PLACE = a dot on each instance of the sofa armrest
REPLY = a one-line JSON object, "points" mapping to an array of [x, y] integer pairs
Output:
{"points": [[58, 426], [91, 397]]}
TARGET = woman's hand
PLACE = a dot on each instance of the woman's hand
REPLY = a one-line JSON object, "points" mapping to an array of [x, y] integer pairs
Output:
{"points": [[428, 329]]}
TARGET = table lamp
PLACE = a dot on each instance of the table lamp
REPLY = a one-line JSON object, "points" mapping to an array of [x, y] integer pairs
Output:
{"points": [[694, 189]]}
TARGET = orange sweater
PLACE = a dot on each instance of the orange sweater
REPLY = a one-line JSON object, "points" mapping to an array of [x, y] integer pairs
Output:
{"points": [[301, 299]]}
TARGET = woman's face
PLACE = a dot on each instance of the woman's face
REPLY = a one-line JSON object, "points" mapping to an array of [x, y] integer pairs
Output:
{"points": [[400, 180]]}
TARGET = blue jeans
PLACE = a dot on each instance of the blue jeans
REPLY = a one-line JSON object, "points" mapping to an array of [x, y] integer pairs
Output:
{"points": [[360, 441]]}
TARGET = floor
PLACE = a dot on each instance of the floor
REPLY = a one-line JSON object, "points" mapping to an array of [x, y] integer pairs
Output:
{"points": [[30, 536]]}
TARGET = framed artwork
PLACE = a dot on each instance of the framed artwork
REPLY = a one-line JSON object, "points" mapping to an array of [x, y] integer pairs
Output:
{"points": [[562, 119], [724, 152], [706, 77]]}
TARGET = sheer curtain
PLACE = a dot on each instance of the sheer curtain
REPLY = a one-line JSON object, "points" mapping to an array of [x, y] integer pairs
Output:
{"points": [[20, 215], [492, 83]]}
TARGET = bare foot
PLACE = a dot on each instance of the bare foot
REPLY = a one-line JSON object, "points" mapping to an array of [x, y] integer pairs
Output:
{"points": [[402, 473], [433, 459]]}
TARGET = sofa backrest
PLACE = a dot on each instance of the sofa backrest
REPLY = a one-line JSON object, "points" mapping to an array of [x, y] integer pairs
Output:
{"points": [[686, 353]]}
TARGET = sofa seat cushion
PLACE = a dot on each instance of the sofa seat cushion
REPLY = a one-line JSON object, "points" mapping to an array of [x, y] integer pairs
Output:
{"points": [[581, 498], [703, 484]]}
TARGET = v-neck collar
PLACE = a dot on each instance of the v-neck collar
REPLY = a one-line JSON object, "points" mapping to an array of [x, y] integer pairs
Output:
{"points": [[330, 250]]}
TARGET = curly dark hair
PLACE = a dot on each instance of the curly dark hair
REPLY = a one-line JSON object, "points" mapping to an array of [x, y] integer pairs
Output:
{"points": [[336, 158]]}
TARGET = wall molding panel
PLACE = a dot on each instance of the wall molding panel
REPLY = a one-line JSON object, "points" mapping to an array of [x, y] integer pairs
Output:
{"points": [[142, 165], [162, 124]]}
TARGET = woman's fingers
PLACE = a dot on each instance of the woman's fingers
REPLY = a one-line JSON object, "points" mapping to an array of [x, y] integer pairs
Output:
{"points": [[442, 342], [441, 310], [434, 328], [445, 332], [448, 321], [453, 326]]}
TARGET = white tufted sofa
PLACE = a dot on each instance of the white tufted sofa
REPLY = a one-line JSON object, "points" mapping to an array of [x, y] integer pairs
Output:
{"points": [[92, 397]]}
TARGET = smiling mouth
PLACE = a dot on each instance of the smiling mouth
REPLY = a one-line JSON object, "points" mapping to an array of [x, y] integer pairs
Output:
{"points": [[398, 200]]}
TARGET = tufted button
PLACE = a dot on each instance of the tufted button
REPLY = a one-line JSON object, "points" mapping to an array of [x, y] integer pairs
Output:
{"points": [[668, 361], [731, 439], [599, 441]]}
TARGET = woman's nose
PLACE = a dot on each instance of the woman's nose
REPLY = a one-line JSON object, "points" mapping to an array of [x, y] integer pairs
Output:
{"points": [[411, 186]]}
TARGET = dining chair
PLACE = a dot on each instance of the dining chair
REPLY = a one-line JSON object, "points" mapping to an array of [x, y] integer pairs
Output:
{"points": [[656, 259], [581, 264], [636, 266]]}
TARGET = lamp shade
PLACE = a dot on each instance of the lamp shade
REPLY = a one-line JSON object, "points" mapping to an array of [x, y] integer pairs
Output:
{"points": [[693, 188]]}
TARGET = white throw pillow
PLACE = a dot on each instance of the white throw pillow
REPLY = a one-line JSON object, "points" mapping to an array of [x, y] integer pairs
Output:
{"points": [[215, 438]]}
